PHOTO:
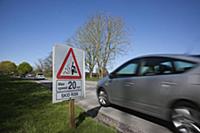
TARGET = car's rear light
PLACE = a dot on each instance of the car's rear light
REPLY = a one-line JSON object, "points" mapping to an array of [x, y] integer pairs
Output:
{"points": [[194, 79]]}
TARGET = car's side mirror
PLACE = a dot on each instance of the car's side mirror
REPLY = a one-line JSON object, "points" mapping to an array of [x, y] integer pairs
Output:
{"points": [[112, 75]]}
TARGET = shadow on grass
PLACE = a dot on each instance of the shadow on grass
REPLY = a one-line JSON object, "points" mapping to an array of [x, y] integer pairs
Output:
{"points": [[90, 113]]}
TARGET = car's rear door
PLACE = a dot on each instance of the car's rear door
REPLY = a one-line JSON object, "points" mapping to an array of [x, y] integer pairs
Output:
{"points": [[154, 83]]}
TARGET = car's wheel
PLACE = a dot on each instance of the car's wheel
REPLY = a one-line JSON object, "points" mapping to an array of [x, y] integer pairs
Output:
{"points": [[103, 98], [186, 119]]}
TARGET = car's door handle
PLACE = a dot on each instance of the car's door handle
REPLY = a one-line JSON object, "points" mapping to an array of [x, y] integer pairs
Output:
{"points": [[167, 83], [129, 83]]}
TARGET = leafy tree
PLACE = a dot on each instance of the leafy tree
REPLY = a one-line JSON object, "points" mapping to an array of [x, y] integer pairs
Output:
{"points": [[24, 68], [102, 37], [8, 67]]}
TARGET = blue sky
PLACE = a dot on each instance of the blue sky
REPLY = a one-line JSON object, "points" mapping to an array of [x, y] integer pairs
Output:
{"points": [[30, 28]]}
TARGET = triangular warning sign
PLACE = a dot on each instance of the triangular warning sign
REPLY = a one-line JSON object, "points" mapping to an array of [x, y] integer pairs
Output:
{"points": [[69, 68]]}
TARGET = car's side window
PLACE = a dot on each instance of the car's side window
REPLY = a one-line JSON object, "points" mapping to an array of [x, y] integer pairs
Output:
{"points": [[146, 70], [129, 69], [165, 67], [147, 67], [183, 66], [156, 66]]}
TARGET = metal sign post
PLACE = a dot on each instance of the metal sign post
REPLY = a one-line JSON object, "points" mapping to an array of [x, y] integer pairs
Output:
{"points": [[68, 77]]}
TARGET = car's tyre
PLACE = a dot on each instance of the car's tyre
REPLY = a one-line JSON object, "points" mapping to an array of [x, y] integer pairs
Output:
{"points": [[103, 98], [185, 118]]}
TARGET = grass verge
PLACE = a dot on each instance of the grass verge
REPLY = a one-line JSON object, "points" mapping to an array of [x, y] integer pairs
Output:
{"points": [[26, 107], [92, 79]]}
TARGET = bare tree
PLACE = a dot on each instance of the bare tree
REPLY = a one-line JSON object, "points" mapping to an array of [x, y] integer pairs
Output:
{"points": [[114, 42], [88, 39], [48, 65], [40, 65], [45, 65], [102, 37]]}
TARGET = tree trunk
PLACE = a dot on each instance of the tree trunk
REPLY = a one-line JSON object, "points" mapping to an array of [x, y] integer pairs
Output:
{"points": [[90, 74], [101, 71]]}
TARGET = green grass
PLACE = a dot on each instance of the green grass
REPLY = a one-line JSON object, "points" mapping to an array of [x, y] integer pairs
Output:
{"points": [[93, 78], [26, 107]]}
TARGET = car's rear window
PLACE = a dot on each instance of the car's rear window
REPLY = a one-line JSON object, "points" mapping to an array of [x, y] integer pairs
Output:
{"points": [[183, 66]]}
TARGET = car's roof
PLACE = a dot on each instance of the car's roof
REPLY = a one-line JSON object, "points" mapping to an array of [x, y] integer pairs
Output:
{"points": [[195, 58]]}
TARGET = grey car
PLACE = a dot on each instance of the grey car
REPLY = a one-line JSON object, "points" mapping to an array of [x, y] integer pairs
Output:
{"points": [[163, 86]]}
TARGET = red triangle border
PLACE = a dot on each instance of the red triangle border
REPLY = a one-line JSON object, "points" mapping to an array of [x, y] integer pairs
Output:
{"points": [[63, 65]]}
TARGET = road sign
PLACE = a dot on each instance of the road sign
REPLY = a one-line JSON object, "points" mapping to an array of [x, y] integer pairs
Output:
{"points": [[69, 68], [68, 73]]}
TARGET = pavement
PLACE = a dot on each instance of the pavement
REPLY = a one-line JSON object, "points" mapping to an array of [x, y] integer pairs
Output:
{"points": [[124, 120]]}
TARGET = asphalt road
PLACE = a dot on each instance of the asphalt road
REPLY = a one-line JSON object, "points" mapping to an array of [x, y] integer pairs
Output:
{"points": [[124, 120]]}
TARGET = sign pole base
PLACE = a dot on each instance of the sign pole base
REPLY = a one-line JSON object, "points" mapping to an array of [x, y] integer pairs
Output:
{"points": [[71, 114]]}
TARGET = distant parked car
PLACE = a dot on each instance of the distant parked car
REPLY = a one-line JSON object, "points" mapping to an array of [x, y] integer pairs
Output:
{"points": [[164, 86], [39, 76], [29, 76]]}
